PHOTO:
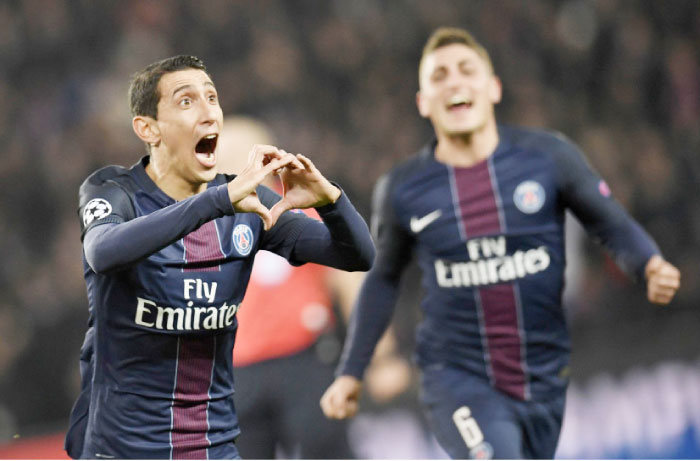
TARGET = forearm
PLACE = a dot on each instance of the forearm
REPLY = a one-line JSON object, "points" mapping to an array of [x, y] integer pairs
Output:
{"points": [[342, 241], [112, 246], [370, 319], [629, 244]]}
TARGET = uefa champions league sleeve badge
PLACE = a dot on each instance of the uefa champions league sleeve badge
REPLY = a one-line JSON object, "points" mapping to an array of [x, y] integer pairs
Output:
{"points": [[95, 209]]}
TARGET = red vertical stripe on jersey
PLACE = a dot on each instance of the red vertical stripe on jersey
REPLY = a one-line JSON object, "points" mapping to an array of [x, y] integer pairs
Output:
{"points": [[194, 373], [477, 201], [480, 217], [202, 246], [503, 338]]}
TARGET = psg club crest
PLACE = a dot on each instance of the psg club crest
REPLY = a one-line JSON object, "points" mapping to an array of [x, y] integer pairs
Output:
{"points": [[529, 197], [243, 239], [96, 208]]}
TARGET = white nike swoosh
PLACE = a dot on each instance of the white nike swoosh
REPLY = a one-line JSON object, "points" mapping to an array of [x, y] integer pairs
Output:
{"points": [[418, 224]]}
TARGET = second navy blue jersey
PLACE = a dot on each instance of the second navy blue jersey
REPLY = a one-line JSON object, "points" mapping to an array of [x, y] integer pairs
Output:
{"points": [[163, 294], [489, 240]]}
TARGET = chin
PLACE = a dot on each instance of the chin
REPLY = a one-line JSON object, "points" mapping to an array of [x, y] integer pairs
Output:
{"points": [[209, 174], [460, 131], [205, 176], [464, 128]]}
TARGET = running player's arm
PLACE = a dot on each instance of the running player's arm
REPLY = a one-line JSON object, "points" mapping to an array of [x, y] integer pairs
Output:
{"points": [[341, 240], [374, 308], [118, 239], [375, 305], [589, 198]]}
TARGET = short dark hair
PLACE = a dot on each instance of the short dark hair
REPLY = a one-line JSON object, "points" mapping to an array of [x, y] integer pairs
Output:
{"points": [[143, 89], [444, 36]]}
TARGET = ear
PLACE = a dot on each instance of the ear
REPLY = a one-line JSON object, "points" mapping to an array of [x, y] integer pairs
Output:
{"points": [[423, 108], [146, 129], [495, 90]]}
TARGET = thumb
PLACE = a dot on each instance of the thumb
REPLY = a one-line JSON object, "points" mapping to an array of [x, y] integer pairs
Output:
{"points": [[279, 208], [264, 214]]}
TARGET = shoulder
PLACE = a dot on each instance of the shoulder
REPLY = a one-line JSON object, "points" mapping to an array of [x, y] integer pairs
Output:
{"points": [[408, 168], [414, 163], [542, 140], [105, 174], [111, 184], [105, 196], [402, 176]]}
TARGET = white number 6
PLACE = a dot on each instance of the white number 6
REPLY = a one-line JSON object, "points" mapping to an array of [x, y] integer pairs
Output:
{"points": [[468, 427]]}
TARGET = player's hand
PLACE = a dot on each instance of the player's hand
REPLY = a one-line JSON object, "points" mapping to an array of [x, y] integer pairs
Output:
{"points": [[340, 400], [262, 161], [303, 188], [663, 280]]}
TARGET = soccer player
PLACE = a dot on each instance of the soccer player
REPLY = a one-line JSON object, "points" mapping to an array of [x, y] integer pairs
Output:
{"points": [[482, 208], [168, 248]]}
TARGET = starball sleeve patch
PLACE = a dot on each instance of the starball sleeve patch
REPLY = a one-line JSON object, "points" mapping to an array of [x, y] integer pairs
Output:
{"points": [[96, 208]]}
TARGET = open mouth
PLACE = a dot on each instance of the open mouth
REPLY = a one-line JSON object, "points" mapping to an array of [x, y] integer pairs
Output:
{"points": [[459, 102], [204, 150], [207, 145]]}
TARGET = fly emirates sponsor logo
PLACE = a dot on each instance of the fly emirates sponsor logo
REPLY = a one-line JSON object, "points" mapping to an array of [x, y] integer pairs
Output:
{"points": [[489, 264], [190, 318]]}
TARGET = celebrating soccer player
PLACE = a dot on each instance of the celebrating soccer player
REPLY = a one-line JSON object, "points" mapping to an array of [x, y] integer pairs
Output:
{"points": [[482, 208], [168, 248]]}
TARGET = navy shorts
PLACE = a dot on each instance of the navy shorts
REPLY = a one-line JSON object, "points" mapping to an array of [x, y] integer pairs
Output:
{"points": [[471, 419]]}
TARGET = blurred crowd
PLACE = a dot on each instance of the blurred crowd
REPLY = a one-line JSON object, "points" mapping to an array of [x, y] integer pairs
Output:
{"points": [[336, 80]]}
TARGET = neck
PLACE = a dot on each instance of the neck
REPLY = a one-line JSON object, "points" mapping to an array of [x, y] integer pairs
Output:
{"points": [[170, 181], [468, 149]]}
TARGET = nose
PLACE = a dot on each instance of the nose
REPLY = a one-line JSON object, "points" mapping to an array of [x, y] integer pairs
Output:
{"points": [[454, 79], [210, 112]]}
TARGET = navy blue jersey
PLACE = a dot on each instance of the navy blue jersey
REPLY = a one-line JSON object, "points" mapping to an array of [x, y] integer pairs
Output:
{"points": [[489, 240], [164, 282]]}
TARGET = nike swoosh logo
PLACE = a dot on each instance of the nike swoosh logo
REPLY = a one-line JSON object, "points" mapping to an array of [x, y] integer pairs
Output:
{"points": [[418, 224]]}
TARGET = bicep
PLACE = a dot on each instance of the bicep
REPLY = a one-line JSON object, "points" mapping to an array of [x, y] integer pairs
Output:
{"points": [[586, 193], [394, 244]]}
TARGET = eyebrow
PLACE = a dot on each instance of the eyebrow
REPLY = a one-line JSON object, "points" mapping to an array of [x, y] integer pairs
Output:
{"points": [[188, 85]]}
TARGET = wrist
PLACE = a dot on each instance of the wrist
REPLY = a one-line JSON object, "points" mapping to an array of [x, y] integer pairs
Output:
{"points": [[652, 265], [335, 194]]}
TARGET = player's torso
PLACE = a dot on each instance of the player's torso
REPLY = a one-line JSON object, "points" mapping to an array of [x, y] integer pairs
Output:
{"points": [[201, 276], [489, 240], [193, 286], [165, 329], [498, 221]]}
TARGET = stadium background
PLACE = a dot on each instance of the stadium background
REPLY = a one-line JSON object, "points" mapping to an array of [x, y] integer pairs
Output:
{"points": [[336, 80]]}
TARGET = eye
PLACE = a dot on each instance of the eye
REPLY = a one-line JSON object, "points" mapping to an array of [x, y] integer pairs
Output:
{"points": [[212, 98], [438, 75], [185, 102]]}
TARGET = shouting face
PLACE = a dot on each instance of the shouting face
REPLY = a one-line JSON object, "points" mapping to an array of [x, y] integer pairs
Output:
{"points": [[184, 136], [458, 90]]}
